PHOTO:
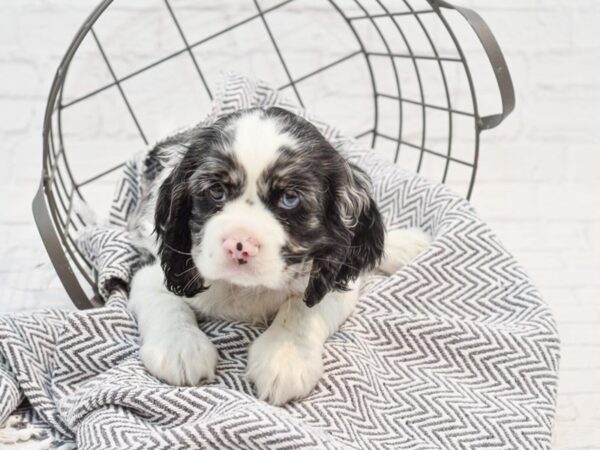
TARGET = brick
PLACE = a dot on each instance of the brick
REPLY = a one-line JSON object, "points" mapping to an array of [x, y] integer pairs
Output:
{"points": [[529, 28], [573, 69], [579, 382], [588, 294], [588, 405], [17, 115], [565, 410], [545, 237], [508, 5], [9, 31], [562, 296], [577, 315], [567, 121], [495, 200], [579, 333], [571, 201], [582, 163], [21, 79], [515, 163], [540, 260], [582, 357], [585, 25], [584, 434], [17, 205], [593, 233]]}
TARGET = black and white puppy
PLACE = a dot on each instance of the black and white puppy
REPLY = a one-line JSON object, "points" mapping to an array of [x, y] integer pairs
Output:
{"points": [[262, 220]]}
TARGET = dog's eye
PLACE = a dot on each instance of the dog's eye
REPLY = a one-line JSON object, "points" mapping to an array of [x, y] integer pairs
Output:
{"points": [[289, 200], [217, 192]]}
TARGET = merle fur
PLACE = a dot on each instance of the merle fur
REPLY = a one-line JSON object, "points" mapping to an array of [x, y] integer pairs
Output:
{"points": [[182, 209], [319, 230]]}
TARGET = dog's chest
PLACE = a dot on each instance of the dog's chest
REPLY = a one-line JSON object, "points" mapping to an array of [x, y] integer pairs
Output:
{"points": [[226, 301]]}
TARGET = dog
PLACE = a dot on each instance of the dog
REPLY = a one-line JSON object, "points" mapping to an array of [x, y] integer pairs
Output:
{"points": [[261, 220]]}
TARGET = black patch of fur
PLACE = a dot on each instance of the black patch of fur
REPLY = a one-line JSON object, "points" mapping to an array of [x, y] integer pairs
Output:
{"points": [[184, 205], [340, 249], [347, 250]]}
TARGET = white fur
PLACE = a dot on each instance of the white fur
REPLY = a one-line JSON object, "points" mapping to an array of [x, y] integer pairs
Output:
{"points": [[267, 268], [285, 362], [401, 247], [173, 347], [257, 140]]}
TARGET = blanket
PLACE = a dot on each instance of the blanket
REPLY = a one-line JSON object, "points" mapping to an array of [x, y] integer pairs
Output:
{"points": [[455, 350]]}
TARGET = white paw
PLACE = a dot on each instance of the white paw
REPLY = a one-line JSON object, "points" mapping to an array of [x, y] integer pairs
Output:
{"points": [[401, 247], [183, 357], [283, 369]]}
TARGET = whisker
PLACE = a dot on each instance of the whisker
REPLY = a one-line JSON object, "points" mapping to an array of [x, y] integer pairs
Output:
{"points": [[175, 250], [192, 280], [187, 270]]}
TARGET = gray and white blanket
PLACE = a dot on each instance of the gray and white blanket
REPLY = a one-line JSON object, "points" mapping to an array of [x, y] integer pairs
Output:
{"points": [[456, 350]]}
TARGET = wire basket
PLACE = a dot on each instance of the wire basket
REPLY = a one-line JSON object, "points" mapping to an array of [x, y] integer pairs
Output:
{"points": [[397, 78]]}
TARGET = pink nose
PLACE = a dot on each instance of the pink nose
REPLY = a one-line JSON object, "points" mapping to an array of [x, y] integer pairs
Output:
{"points": [[241, 250]]}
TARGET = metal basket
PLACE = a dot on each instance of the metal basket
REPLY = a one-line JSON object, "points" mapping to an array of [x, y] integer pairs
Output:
{"points": [[397, 64]]}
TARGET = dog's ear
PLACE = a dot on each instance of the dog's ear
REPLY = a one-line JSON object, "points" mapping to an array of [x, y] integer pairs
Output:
{"points": [[357, 236], [172, 219]]}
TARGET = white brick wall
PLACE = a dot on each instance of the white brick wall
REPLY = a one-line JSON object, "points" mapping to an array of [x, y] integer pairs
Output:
{"points": [[538, 183]]}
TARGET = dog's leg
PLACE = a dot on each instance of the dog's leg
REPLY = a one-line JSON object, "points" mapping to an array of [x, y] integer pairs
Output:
{"points": [[286, 361], [402, 246], [173, 348]]}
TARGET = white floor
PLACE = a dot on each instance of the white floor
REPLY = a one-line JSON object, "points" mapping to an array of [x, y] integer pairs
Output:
{"points": [[538, 184]]}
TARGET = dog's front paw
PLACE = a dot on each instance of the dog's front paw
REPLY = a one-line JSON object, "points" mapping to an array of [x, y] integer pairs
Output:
{"points": [[283, 369], [183, 357]]}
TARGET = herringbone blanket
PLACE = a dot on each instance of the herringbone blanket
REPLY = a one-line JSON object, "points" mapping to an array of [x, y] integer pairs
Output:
{"points": [[456, 350]]}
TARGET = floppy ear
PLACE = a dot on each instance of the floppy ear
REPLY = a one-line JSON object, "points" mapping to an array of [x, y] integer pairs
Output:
{"points": [[357, 236], [172, 218]]}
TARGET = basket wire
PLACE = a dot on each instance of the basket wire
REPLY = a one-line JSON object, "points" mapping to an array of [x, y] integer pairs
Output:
{"points": [[55, 211]]}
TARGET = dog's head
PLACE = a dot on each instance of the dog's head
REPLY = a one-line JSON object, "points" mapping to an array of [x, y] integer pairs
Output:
{"points": [[260, 198]]}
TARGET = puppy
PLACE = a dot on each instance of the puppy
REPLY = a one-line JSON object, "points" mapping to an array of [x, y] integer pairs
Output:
{"points": [[261, 220]]}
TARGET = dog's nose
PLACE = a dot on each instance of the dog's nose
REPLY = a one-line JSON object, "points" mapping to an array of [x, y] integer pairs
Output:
{"points": [[241, 250]]}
